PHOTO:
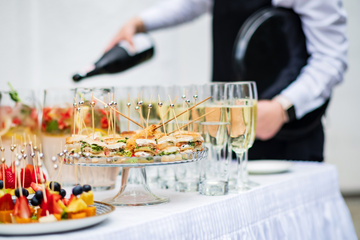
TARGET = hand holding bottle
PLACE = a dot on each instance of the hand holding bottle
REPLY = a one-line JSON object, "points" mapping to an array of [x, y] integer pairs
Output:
{"points": [[127, 32], [130, 47]]}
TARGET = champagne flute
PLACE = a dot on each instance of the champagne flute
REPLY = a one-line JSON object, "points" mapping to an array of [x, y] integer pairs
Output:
{"points": [[252, 139], [240, 113], [214, 129]]}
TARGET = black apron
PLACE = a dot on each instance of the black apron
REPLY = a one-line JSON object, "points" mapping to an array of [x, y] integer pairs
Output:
{"points": [[301, 139]]}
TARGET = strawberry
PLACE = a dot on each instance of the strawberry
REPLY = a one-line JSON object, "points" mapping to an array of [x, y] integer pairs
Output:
{"points": [[21, 208], [9, 178], [28, 178], [3, 167], [37, 178], [51, 204], [35, 186], [30, 167], [6, 202]]}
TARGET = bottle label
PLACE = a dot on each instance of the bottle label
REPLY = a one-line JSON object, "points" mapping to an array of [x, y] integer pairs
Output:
{"points": [[142, 42]]}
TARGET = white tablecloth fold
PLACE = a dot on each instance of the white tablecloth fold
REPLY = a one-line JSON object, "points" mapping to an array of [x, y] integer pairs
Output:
{"points": [[304, 203]]}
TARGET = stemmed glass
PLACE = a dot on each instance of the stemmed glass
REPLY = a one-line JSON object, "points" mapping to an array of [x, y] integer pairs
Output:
{"points": [[240, 109], [246, 180], [215, 129]]}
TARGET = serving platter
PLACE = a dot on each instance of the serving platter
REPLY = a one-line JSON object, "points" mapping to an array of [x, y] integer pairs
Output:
{"points": [[134, 161], [103, 211], [134, 188]]}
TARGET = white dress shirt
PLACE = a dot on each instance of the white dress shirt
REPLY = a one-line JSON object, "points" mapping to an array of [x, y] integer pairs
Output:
{"points": [[324, 25]]}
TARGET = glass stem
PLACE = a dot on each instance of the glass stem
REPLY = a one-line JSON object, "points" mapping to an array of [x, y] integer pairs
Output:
{"points": [[240, 158], [245, 175]]}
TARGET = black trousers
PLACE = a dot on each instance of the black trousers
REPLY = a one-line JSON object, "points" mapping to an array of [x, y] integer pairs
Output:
{"points": [[309, 147]]}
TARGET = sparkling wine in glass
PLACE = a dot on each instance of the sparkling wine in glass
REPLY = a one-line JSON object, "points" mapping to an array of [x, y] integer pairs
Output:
{"points": [[215, 131], [252, 139], [240, 114]]}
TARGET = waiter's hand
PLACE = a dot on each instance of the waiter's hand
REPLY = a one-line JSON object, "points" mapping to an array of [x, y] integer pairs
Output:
{"points": [[130, 28], [270, 118]]}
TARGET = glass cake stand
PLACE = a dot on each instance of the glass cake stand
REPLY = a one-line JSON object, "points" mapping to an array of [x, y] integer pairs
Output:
{"points": [[134, 188]]}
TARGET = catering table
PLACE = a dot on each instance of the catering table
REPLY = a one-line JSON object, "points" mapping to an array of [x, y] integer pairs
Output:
{"points": [[304, 203]]}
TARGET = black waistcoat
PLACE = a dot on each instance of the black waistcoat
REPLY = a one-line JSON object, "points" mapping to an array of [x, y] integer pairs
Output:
{"points": [[228, 17]]}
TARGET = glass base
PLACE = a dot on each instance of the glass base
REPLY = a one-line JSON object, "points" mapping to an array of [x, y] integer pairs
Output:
{"points": [[239, 189], [136, 197], [252, 184], [187, 186], [103, 188], [213, 188], [134, 190]]}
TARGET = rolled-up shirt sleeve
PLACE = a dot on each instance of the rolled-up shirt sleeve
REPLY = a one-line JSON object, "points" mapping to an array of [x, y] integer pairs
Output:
{"points": [[324, 25], [170, 13]]}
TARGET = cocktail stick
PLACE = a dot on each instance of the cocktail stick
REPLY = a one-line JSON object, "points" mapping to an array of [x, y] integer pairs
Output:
{"points": [[120, 113], [194, 120], [184, 111]]}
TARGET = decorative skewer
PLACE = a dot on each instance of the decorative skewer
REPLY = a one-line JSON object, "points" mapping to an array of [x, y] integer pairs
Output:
{"points": [[195, 98], [17, 169], [173, 110], [194, 120], [106, 106], [3, 161], [92, 105], [183, 105], [24, 166], [138, 109], [167, 111], [139, 104], [128, 106], [75, 114], [160, 104], [120, 113], [114, 113], [184, 111], [59, 156], [149, 109]]}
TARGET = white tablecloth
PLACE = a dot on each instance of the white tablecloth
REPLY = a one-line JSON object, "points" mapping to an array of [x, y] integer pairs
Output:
{"points": [[304, 203]]}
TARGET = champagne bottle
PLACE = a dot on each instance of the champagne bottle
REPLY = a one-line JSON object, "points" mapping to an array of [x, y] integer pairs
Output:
{"points": [[121, 57]]}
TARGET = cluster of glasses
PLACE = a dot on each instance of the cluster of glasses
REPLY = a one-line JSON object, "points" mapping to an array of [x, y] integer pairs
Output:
{"points": [[230, 128]]}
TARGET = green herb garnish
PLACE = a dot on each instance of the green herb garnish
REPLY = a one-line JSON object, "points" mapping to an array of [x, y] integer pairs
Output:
{"points": [[53, 126], [13, 94], [64, 215], [96, 148]]}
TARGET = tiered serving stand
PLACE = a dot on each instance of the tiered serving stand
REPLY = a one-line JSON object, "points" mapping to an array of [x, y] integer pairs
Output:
{"points": [[134, 188]]}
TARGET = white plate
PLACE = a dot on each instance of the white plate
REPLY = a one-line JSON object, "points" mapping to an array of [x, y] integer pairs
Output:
{"points": [[268, 166], [102, 212]]}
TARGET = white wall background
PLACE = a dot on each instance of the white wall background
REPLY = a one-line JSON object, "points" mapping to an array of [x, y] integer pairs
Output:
{"points": [[43, 42]]}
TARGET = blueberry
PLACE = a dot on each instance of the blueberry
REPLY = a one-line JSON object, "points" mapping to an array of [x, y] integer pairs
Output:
{"points": [[39, 195], [35, 202], [77, 190], [1, 184], [87, 188], [62, 193], [55, 186], [24, 192]]}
